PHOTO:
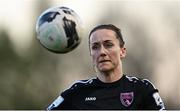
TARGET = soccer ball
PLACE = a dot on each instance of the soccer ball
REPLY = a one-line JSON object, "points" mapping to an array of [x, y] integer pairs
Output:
{"points": [[58, 29]]}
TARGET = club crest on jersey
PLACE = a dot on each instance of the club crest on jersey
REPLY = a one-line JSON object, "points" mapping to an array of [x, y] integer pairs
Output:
{"points": [[127, 98]]}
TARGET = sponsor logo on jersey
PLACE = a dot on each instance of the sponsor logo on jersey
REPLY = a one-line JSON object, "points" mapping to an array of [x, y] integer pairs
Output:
{"points": [[90, 99], [126, 98]]}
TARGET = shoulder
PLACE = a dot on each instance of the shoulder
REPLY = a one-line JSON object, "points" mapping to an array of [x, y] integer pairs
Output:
{"points": [[64, 100], [144, 83], [78, 85], [151, 97], [81, 83]]}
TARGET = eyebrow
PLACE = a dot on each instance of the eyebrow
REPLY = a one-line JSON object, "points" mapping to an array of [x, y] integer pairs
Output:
{"points": [[103, 41]]}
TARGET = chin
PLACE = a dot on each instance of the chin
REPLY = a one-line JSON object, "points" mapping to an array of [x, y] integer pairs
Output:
{"points": [[105, 69]]}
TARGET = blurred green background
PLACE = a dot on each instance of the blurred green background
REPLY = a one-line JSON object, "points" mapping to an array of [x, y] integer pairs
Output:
{"points": [[32, 77]]}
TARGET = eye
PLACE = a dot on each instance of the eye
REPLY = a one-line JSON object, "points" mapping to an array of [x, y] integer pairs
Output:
{"points": [[95, 46], [108, 44]]}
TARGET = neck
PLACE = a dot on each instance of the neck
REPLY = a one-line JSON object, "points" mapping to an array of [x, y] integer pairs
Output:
{"points": [[110, 76]]}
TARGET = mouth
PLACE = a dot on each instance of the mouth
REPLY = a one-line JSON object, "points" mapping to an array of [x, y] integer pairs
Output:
{"points": [[102, 61]]}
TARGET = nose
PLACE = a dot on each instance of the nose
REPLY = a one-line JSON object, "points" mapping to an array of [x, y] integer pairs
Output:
{"points": [[102, 51]]}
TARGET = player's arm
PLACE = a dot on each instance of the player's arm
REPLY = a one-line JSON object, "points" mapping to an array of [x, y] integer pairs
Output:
{"points": [[152, 99], [64, 101], [60, 103]]}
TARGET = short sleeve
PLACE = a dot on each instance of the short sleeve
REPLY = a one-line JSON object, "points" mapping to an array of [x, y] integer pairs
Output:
{"points": [[152, 99], [64, 101]]}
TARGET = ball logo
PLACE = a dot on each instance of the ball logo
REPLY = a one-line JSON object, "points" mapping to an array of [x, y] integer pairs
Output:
{"points": [[127, 98]]}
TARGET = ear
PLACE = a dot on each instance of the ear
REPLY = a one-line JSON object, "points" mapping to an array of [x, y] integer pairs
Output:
{"points": [[122, 52]]}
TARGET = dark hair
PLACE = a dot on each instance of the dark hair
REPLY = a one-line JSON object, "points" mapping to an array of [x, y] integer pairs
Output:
{"points": [[110, 27]]}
